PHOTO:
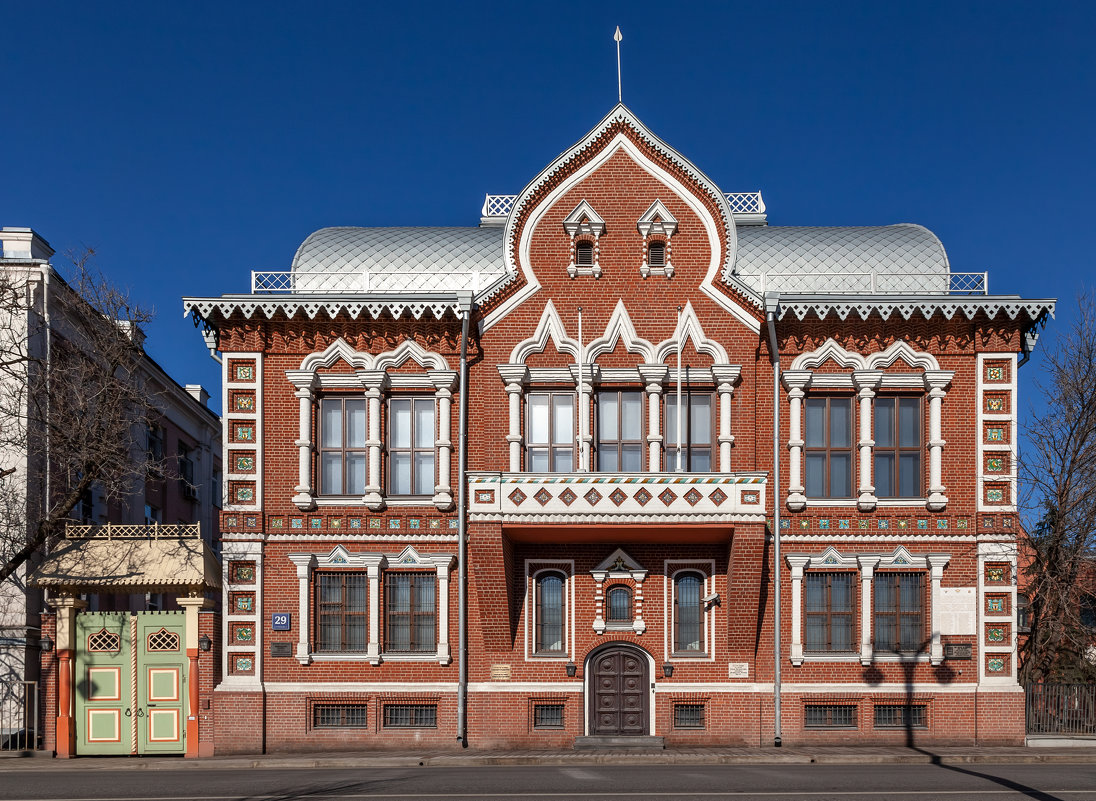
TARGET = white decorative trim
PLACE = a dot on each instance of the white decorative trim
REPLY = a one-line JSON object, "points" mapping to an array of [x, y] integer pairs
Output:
{"points": [[1009, 421], [549, 327], [688, 328], [241, 551], [616, 566], [585, 221], [620, 329], [907, 306], [292, 306], [1006, 552], [567, 568], [830, 349], [659, 221], [255, 417], [705, 567]]}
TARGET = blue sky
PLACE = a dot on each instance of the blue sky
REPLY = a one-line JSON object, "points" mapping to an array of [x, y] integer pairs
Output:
{"points": [[190, 143]]}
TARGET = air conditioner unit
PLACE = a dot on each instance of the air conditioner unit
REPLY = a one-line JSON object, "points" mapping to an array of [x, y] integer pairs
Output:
{"points": [[190, 491]]}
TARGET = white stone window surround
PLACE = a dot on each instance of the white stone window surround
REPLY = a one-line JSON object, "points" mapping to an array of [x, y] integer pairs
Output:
{"points": [[657, 221], [616, 568], [584, 221], [652, 375], [832, 560], [672, 568], [371, 374], [373, 564], [866, 375], [534, 568]]}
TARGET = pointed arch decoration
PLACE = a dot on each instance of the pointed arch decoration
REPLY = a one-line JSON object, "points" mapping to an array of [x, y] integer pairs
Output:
{"points": [[689, 329], [409, 349], [620, 329], [551, 328]]}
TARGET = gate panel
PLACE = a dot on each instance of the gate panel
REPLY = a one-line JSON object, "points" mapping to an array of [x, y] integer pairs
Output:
{"points": [[161, 682], [103, 683]]}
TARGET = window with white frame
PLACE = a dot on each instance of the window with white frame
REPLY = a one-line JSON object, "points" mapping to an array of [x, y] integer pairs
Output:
{"points": [[618, 607], [897, 450], [550, 432], [411, 439], [899, 612], [410, 611], [549, 613], [697, 432], [620, 437], [342, 451], [829, 608], [829, 447], [688, 617], [342, 624]]}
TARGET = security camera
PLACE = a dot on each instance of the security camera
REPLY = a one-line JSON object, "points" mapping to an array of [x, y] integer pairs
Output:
{"points": [[712, 599]]}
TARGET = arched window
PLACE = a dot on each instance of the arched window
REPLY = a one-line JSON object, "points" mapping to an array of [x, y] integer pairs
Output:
{"points": [[656, 254], [619, 605], [584, 254], [549, 613], [688, 613]]}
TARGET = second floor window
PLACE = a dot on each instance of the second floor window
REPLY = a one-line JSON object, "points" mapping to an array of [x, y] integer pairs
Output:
{"points": [[697, 432], [411, 446], [342, 446], [829, 447], [550, 432], [620, 432], [898, 447]]}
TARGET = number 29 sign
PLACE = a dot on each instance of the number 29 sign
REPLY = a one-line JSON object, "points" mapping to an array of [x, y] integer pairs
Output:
{"points": [[279, 622]]}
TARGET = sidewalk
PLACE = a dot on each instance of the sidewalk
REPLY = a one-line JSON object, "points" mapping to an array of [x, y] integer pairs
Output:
{"points": [[821, 755]]}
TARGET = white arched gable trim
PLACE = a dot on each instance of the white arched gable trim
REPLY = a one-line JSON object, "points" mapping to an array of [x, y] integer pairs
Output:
{"points": [[409, 349], [688, 328], [620, 328], [549, 327], [339, 349], [829, 350], [902, 350]]}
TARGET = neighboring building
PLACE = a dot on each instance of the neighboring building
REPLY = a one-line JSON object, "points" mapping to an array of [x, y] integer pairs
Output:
{"points": [[620, 566], [186, 437]]}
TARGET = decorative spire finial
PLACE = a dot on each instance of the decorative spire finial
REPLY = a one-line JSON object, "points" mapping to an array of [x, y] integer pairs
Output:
{"points": [[616, 38]]}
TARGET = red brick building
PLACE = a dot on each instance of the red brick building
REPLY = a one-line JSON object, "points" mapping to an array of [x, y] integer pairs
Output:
{"points": [[629, 541]]}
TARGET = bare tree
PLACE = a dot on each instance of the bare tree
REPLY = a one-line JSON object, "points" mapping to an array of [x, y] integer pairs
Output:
{"points": [[74, 407], [1058, 468]]}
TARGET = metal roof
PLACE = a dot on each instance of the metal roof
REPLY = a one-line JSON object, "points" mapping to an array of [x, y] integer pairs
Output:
{"points": [[889, 259], [129, 565], [398, 260]]}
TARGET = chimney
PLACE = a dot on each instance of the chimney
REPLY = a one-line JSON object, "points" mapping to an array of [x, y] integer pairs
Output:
{"points": [[198, 392]]}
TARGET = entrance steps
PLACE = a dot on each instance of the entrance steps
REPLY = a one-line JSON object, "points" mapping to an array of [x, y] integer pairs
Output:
{"points": [[620, 743]]}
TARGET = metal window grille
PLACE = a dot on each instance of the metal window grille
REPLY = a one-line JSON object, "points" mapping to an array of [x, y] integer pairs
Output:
{"points": [[688, 613], [548, 716], [688, 716], [339, 716], [829, 716], [410, 616], [550, 607], [899, 616], [619, 602], [410, 716], [341, 622], [829, 604], [901, 716]]}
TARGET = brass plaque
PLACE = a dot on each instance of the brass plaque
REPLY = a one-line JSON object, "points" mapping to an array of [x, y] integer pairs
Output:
{"points": [[500, 673]]}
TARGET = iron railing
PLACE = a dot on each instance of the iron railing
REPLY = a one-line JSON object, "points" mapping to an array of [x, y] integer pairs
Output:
{"points": [[740, 202], [1061, 709], [134, 531], [19, 716], [872, 283]]}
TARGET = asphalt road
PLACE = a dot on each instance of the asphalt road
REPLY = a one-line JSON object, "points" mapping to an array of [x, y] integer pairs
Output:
{"points": [[655, 782]]}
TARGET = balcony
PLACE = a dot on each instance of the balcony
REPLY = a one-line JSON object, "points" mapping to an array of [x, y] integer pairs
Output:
{"points": [[617, 498]]}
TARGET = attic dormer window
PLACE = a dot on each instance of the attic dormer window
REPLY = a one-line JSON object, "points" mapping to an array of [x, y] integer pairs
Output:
{"points": [[656, 226], [585, 227]]}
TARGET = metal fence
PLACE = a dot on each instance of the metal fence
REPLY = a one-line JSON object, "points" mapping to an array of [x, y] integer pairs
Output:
{"points": [[1061, 709], [19, 716]]}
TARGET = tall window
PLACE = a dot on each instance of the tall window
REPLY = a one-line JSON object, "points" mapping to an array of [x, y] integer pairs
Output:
{"points": [[618, 602], [898, 447], [697, 432], [342, 446], [620, 432], [549, 614], [688, 613], [899, 611], [411, 446], [829, 611], [410, 616], [829, 447], [341, 622], [550, 432]]}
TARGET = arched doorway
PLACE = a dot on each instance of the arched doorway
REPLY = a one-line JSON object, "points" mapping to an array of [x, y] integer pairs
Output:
{"points": [[620, 697]]}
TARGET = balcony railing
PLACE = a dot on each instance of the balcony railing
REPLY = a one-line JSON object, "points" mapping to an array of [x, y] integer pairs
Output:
{"points": [[740, 202], [133, 531], [872, 283]]}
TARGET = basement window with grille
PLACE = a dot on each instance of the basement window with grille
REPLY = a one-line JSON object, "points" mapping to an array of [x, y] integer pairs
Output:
{"points": [[548, 716], [901, 716], [339, 716], [410, 716], [688, 716], [829, 716]]}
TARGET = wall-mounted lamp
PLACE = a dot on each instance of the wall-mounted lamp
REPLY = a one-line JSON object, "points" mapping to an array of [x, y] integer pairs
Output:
{"points": [[571, 668], [45, 644], [668, 670], [204, 643], [712, 600]]}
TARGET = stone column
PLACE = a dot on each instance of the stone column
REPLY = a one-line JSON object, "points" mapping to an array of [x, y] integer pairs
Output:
{"points": [[796, 382], [599, 600], [442, 565], [444, 382], [375, 382], [866, 382], [654, 376], [585, 379], [867, 571], [935, 383], [726, 376], [797, 564], [305, 564], [304, 499], [515, 376], [937, 563], [373, 566], [191, 605], [66, 607]]}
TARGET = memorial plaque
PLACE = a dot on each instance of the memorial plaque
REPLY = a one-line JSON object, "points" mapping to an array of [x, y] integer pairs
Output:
{"points": [[281, 649], [957, 651]]}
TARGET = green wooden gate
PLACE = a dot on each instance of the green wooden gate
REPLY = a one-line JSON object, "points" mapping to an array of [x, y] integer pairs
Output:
{"points": [[131, 695]]}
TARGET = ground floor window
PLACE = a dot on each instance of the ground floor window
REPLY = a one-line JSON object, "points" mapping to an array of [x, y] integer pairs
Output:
{"points": [[901, 716], [829, 716], [410, 716], [339, 716], [547, 716], [688, 716]]}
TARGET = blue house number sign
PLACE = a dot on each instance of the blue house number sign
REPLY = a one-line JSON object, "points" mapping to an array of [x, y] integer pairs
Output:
{"points": [[279, 622]]}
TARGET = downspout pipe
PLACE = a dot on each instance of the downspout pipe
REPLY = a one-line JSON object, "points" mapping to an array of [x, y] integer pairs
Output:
{"points": [[772, 308], [462, 530]]}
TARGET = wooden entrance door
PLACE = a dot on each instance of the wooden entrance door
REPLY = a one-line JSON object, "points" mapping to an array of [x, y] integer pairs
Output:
{"points": [[619, 699]]}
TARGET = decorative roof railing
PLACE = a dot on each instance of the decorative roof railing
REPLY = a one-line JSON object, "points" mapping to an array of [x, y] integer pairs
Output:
{"points": [[335, 282], [741, 203], [872, 283], [133, 531]]}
